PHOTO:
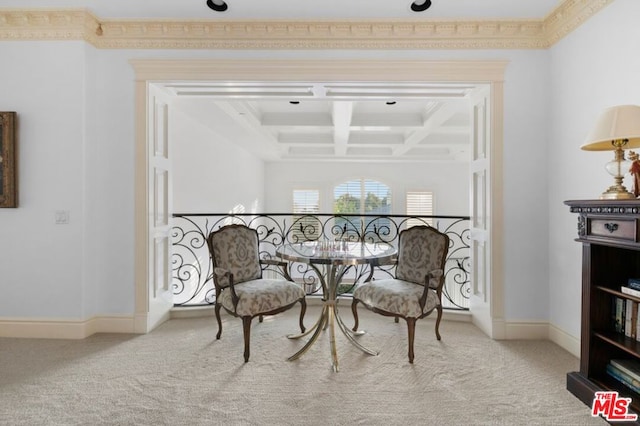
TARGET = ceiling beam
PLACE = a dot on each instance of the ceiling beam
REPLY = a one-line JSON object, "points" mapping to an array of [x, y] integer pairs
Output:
{"points": [[341, 114], [432, 123]]}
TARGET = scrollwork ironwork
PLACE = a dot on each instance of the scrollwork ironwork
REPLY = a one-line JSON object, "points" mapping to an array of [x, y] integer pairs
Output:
{"points": [[192, 276]]}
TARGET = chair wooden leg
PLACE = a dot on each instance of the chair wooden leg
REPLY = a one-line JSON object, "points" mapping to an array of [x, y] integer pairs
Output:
{"points": [[411, 328], [246, 327], [439, 308], [217, 311], [303, 310], [354, 309]]}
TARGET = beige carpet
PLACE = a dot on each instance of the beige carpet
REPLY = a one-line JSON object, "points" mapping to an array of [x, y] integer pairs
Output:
{"points": [[180, 375]]}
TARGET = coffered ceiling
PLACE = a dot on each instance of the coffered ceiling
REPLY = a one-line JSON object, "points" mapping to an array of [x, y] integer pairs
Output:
{"points": [[316, 121]]}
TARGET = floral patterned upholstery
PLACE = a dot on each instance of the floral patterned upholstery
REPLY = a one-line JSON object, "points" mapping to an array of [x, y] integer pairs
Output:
{"points": [[240, 288], [416, 290], [261, 295], [420, 251], [236, 251], [397, 297]]}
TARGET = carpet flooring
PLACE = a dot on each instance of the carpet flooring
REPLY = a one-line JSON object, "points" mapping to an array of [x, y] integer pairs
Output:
{"points": [[179, 374]]}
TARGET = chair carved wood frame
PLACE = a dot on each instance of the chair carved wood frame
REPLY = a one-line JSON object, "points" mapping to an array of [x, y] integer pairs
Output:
{"points": [[239, 285], [416, 290]]}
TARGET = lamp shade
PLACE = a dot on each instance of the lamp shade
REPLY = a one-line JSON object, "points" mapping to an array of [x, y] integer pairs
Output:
{"points": [[615, 123]]}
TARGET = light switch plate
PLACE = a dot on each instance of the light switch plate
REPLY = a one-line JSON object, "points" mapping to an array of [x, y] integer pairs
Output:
{"points": [[62, 217]]}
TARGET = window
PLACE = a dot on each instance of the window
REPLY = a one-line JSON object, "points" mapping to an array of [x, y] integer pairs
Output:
{"points": [[419, 203], [306, 204], [362, 196]]}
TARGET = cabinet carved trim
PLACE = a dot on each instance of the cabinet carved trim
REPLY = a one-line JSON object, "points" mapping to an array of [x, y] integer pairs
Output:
{"points": [[609, 232], [582, 226], [616, 209], [611, 227]]}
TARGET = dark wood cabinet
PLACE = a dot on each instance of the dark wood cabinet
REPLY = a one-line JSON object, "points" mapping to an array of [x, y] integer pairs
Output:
{"points": [[609, 231]]}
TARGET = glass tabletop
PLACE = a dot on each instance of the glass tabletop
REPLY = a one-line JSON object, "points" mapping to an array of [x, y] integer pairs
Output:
{"points": [[337, 252]]}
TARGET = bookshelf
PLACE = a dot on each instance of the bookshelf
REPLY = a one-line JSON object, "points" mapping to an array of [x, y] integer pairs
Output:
{"points": [[609, 231]]}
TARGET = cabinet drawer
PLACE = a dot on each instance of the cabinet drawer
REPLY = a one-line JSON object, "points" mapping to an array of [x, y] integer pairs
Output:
{"points": [[613, 228]]}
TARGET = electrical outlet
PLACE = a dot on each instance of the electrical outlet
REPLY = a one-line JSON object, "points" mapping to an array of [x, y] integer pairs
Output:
{"points": [[62, 217]]}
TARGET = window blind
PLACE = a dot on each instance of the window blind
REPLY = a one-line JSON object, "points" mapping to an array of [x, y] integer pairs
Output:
{"points": [[419, 203], [362, 196], [306, 203]]}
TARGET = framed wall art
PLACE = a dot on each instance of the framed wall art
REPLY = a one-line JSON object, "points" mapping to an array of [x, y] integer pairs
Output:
{"points": [[8, 173]]}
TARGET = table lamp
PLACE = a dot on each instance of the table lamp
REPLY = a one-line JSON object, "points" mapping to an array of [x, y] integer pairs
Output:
{"points": [[617, 129]]}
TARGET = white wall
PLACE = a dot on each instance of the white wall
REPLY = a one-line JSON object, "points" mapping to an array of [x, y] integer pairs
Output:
{"points": [[108, 181], [41, 263], [525, 187], [448, 181], [594, 67], [211, 174], [77, 153]]}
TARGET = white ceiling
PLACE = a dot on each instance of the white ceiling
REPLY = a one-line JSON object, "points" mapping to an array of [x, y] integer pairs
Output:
{"points": [[301, 9], [330, 122], [354, 122]]}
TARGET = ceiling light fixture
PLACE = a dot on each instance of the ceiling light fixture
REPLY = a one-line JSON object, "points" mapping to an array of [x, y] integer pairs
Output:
{"points": [[420, 5], [217, 5]]}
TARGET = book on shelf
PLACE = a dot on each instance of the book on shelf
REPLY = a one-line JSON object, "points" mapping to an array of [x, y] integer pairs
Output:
{"points": [[637, 326], [630, 367], [634, 283], [627, 318], [630, 291], [623, 378], [630, 318], [618, 314]]}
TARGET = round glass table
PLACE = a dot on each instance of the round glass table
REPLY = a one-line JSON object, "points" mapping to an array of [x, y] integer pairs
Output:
{"points": [[331, 260]]}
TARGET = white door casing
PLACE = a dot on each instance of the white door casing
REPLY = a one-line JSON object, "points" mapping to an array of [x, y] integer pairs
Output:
{"points": [[149, 313], [486, 301], [154, 299]]}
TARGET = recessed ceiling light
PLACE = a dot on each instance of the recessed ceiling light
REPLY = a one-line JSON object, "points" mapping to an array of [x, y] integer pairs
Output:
{"points": [[420, 5], [217, 5]]}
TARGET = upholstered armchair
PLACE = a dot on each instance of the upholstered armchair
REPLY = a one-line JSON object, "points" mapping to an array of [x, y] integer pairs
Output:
{"points": [[240, 288], [416, 290]]}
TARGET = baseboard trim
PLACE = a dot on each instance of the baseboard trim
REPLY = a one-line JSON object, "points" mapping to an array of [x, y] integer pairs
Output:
{"points": [[70, 329], [192, 312], [65, 329], [531, 330], [564, 340]]}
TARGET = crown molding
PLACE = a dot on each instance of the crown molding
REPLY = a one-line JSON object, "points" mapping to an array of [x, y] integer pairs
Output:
{"points": [[79, 24], [569, 16], [41, 24]]}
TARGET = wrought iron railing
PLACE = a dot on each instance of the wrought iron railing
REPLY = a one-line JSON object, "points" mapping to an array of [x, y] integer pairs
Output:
{"points": [[192, 275]]}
